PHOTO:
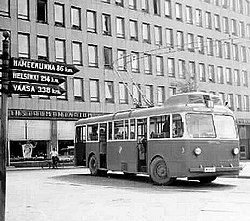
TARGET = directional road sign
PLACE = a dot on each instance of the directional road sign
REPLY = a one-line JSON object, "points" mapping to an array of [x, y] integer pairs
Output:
{"points": [[35, 89], [42, 66], [32, 77]]}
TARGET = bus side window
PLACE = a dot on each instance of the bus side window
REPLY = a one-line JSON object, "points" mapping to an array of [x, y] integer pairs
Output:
{"points": [[93, 132], [110, 131], [160, 127], [132, 129], [177, 126], [118, 130]]}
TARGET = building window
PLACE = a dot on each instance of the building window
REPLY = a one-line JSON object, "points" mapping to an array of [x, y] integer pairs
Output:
{"points": [[230, 100], [106, 24], [42, 11], [121, 59], [149, 93], [247, 7], [246, 103], [198, 15], [233, 5], [220, 75], [123, 93], [159, 65], [210, 47], [222, 97], [5, 7], [91, 21], [144, 5], [135, 62], [178, 11], [217, 22], [235, 52], [240, 6], [202, 72], [189, 14], [181, 69], [158, 35], [190, 42], [225, 3], [167, 7], [23, 45], [23, 9], [42, 48], [108, 58], [133, 30], [227, 50], [156, 7], [242, 29], [132, 4], [78, 89], [137, 93], [229, 76], [248, 30], [169, 38], [180, 40], [59, 14], [234, 27], [172, 91], [119, 3], [160, 95], [77, 53], [200, 44], [244, 78], [60, 50], [192, 69], [120, 27], [236, 77], [211, 75], [225, 25], [94, 90], [238, 102], [75, 18], [208, 18], [109, 91], [147, 64], [243, 53], [218, 48], [92, 56], [171, 67], [146, 32]]}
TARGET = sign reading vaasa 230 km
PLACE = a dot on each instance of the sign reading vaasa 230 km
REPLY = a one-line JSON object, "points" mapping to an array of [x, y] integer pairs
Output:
{"points": [[42, 66], [23, 88], [33, 77]]}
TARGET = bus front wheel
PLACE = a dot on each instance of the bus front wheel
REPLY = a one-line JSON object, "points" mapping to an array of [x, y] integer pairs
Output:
{"points": [[159, 173], [93, 165]]}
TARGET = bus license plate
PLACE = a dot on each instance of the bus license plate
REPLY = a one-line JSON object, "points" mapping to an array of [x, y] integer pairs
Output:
{"points": [[209, 169]]}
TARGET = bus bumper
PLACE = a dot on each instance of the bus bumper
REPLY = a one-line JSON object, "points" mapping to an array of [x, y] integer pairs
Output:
{"points": [[215, 169]]}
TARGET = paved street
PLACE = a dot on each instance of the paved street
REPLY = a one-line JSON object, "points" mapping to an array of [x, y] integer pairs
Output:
{"points": [[74, 195]]}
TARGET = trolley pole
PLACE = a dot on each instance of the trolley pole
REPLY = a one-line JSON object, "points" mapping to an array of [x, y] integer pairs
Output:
{"points": [[4, 121]]}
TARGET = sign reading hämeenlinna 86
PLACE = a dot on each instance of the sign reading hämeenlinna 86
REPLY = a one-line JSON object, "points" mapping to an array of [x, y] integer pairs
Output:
{"points": [[42, 66]]}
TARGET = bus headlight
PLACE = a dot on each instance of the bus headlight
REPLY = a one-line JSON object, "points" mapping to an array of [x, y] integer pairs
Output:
{"points": [[197, 151], [236, 151]]}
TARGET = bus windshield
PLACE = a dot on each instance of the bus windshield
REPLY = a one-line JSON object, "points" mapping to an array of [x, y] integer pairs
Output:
{"points": [[225, 127], [200, 125]]}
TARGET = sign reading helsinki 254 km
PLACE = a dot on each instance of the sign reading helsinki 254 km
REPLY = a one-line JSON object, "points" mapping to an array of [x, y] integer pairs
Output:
{"points": [[26, 71]]}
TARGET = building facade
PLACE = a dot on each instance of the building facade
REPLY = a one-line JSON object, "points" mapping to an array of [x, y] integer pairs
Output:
{"points": [[123, 49]]}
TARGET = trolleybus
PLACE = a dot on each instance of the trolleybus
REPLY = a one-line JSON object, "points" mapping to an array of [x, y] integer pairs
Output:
{"points": [[193, 135]]}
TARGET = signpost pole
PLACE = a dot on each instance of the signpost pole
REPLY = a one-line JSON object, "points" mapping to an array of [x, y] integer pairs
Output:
{"points": [[4, 121]]}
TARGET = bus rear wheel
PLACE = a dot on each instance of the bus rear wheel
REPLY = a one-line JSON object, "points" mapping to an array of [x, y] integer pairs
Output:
{"points": [[159, 172], [208, 179], [93, 165]]}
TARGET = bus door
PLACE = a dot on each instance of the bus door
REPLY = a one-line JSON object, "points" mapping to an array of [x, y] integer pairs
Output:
{"points": [[80, 146], [103, 145], [142, 144]]}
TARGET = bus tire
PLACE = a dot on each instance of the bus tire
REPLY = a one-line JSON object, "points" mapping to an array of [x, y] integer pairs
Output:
{"points": [[93, 165], [159, 173], [208, 179]]}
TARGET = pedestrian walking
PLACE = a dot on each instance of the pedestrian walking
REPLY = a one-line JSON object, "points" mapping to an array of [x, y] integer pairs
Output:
{"points": [[54, 157]]}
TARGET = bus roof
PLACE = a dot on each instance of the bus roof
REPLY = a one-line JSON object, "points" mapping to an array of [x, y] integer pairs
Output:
{"points": [[186, 102]]}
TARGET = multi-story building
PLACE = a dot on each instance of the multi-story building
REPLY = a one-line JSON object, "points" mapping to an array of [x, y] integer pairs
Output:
{"points": [[123, 48]]}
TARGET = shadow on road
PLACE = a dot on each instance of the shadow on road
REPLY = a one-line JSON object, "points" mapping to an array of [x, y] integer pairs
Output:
{"points": [[140, 181]]}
